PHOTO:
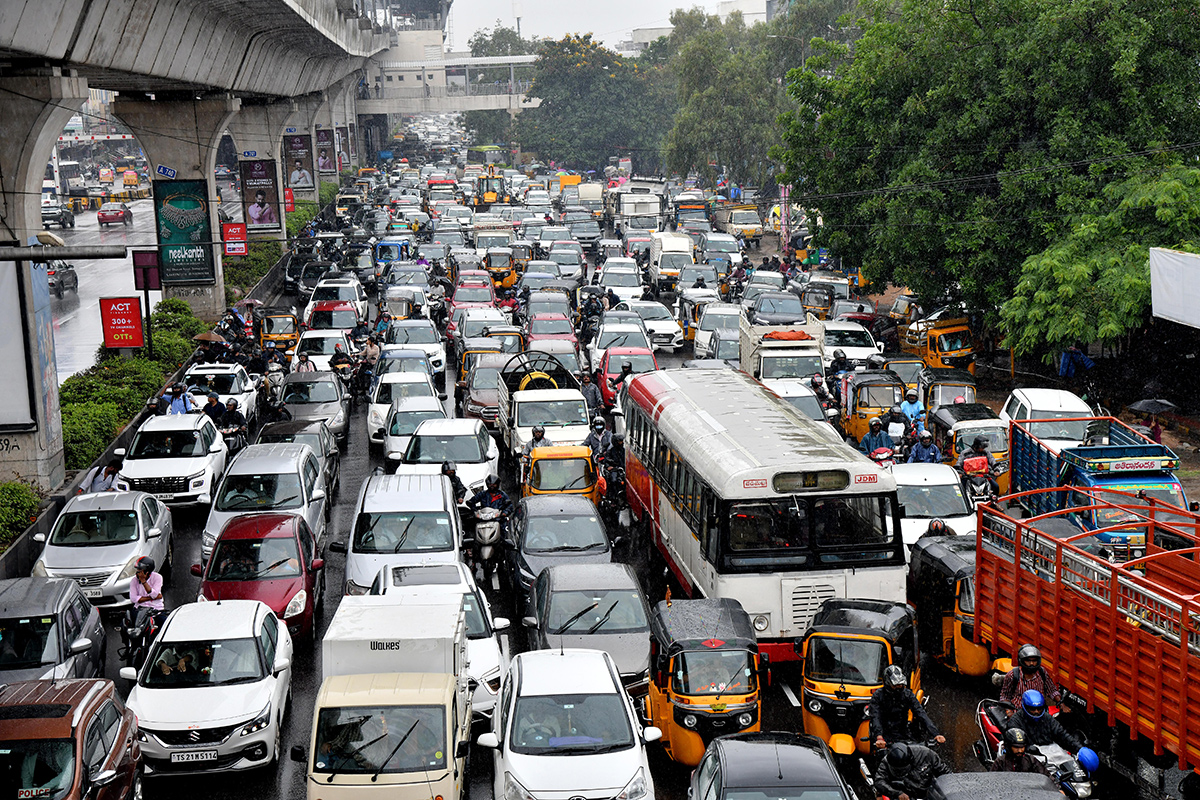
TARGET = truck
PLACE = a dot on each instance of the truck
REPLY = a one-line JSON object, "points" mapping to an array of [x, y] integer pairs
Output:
{"points": [[591, 197], [394, 705], [1113, 458], [669, 253], [638, 203], [536, 389], [741, 221], [689, 207], [941, 342], [782, 351]]}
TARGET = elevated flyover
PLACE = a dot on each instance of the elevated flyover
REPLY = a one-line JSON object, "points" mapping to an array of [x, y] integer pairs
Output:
{"points": [[454, 83]]}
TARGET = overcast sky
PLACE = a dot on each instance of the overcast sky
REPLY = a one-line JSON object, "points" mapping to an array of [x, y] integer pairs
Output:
{"points": [[608, 20]]}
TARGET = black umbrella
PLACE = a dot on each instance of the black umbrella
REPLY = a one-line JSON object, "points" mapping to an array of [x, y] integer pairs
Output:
{"points": [[1152, 406]]}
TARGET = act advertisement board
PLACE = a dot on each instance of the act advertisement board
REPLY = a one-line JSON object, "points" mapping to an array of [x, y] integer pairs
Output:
{"points": [[121, 321]]}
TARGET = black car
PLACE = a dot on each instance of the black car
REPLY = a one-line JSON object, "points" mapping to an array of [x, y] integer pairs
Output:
{"points": [[48, 628], [546, 530], [994, 786], [57, 214], [314, 433], [313, 273], [776, 308], [61, 276], [767, 764]]}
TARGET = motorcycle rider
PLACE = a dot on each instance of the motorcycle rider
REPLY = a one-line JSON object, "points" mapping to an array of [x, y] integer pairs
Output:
{"points": [[1041, 728], [233, 423], [889, 709], [371, 351], [908, 771], [647, 292], [823, 396], [591, 395], [876, 438], [1028, 674], [145, 592], [937, 527], [491, 497], [615, 455], [913, 409], [839, 363], [1014, 758], [625, 374], [925, 451], [340, 358], [979, 449], [599, 439], [450, 470], [699, 283]]}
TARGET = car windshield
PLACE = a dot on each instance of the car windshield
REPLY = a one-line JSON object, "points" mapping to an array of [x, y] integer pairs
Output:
{"points": [[41, 768], [405, 422], [837, 660], [403, 532], [320, 345], [847, 338], [200, 383], [313, 440], [618, 338], [714, 672], [549, 303], [535, 282], [193, 664], [945, 394], [166, 444], [852, 307], [879, 395], [551, 326], [1074, 431], [475, 326], [473, 294], [927, 501], [565, 532], [641, 362], [954, 341], [615, 277], [585, 227], [336, 292], [314, 271], [260, 492], [728, 349], [366, 740], [714, 322], [806, 404], [791, 366], [387, 252], [390, 364], [452, 238], [278, 326], [781, 304], [721, 246], [484, 378], [561, 474], [389, 392], [570, 724], [429, 448], [688, 276], [652, 312], [1169, 493], [308, 392], [675, 261], [908, 371], [405, 277], [587, 611], [333, 319], [565, 257], [412, 334], [486, 240], [745, 218], [84, 528], [28, 642], [254, 560], [551, 412]]}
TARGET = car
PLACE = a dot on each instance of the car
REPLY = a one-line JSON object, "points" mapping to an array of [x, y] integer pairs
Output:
{"points": [[113, 213], [487, 657], [312, 273], [49, 630], [626, 284], [69, 740], [316, 434], [98, 538], [468, 323], [473, 295], [665, 333], [1050, 404], [466, 442], [550, 326], [57, 214], [595, 607], [777, 308], [394, 386], [332, 315], [639, 358], [565, 727], [726, 346], [763, 763], [419, 334], [321, 345], [616, 335], [536, 276], [571, 266], [273, 558], [61, 276], [752, 291], [853, 338], [178, 458], [927, 492], [268, 478], [481, 394], [724, 244], [548, 302], [402, 420], [226, 712], [398, 358], [549, 529], [318, 397], [715, 316], [229, 381], [800, 395], [346, 290]]}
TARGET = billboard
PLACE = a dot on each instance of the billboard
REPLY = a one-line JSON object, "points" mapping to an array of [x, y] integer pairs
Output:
{"points": [[343, 138], [260, 195], [121, 321], [184, 231], [298, 162], [353, 145], [326, 153]]}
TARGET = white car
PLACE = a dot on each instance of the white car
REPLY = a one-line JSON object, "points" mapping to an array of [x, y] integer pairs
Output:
{"points": [[568, 729], [799, 394], [178, 458], [852, 339], [222, 710], [625, 283], [419, 334], [229, 381], [1052, 404], [403, 418], [665, 333], [466, 442], [618, 262], [714, 317], [347, 290], [931, 491], [391, 387], [320, 347], [486, 654], [618, 335]]}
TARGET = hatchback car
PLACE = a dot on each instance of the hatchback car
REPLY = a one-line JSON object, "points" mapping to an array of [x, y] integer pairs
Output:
{"points": [[61, 276], [213, 691], [403, 418], [422, 335], [315, 434], [114, 214], [57, 214], [776, 308], [178, 458], [48, 630], [466, 442], [394, 386], [639, 359], [616, 335], [744, 765], [332, 315], [547, 326], [345, 290], [318, 396], [321, 345], [269, 557], [665, 333], [97, 541]]}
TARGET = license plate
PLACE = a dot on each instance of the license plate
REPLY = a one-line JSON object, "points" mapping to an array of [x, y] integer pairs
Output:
{"points": [[195, 755], [1137, 540], [92, 593], [164, 497]]}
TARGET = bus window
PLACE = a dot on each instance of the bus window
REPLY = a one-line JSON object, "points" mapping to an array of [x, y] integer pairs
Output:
{"points": [[854, 529], [768, 526]]}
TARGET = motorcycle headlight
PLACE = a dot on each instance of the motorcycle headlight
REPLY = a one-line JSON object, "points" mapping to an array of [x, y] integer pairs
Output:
{"points": [[296, 604], [513, 790], [354, 589], [129, 568], [39, 569], [258, 723], [636, 787], [197, 480]]}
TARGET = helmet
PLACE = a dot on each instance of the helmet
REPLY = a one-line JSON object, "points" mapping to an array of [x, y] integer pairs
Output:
{"points": [[232, 402], [598, 423], [838, 354], [1034, 703], [960, 399], [493, 481], [338, 347], [911, 394], [899, 755], [937, 528], [896, 410], [1014, 737], [817, 380], [1029, 653], [980, 443], [538, 431], [618, 438], [926, 436], [627, 366], [145, 564], [876, 422], [893, 677], [448, 466], [1088, 759]]}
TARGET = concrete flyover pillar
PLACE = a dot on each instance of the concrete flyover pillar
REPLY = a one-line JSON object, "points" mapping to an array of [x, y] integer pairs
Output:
{"points": [[37, 106], [257, 131], [182, 134], [303, 123]]}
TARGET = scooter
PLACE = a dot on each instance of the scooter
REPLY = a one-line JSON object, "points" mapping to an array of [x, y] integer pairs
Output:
{"points": [[868, 770], [138, 628], [1066, 770], [975, 480], [883, 456], [488, 524]]}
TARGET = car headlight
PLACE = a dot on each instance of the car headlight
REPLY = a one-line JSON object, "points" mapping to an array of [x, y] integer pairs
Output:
{"points": [[258, 723], [374, 418], [296, 604], [814, 706], [474, 408], [338, 419], [208, 539], [39, 569], [513, 790], [353, 588], [635, 788], [122, 483], [762, 622], [197, 480], [141, 735], [129, 568], [492, 680]]}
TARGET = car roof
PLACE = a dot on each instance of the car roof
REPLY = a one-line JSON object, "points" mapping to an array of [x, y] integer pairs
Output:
{"points": [[1052, 400], [270, 457], [173, 422], [309, 377], [592, 576], [260, 526], [292, 426], [547, 505], [789, 759], [104, 501], [925, 474], [48, 709], [228, 619], [212, 369], [448, 427], [427, 576], [333, 305], [313, 333], [405, 492], [565, 671], [26, 596], [423, 403]]}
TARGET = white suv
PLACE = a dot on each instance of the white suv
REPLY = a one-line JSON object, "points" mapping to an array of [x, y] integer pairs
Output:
{"points": [[178, 458], [229, 381]]}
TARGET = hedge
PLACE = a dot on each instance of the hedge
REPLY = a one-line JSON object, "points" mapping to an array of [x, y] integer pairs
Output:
{"points": [[18, 508], [245, 271], [88, 430], [126, 383]]}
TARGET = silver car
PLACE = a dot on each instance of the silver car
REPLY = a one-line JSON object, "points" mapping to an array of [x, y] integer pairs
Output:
{"points": [[318, 395], [98, 538]]}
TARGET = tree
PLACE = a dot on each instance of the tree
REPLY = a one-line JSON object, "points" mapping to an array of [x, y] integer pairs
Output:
{"points": [[494, 127]]}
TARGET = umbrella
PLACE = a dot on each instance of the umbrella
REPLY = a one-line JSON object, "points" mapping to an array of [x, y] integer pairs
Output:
{"points": [[1152, 406], [249, 301], [208, 336]]}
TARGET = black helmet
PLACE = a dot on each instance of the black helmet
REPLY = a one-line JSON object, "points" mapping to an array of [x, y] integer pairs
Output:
{"points": [[626, 366], [980, 443], [618, 438], [937, 528], [1013, 738], [145, 564], [493, 481], [893, 677], [899, 756], [448, 466], [1028, 652], [839, 353], [538, 431]]}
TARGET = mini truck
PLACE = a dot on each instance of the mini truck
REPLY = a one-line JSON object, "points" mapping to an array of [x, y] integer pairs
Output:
{"points": [[536, 389], [740, 221], [782, 351], [1113, 458]]}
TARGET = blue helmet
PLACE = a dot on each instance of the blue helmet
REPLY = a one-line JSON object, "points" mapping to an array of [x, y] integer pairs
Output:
{"points": [[1034, 703], [1088, 759]]}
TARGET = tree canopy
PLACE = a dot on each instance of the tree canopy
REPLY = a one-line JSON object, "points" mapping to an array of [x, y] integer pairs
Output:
{"points": [[493, 127]]}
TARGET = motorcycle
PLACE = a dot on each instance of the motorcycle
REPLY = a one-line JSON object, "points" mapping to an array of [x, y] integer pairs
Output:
{"points": [[274, 410], [614, 505], [235, 440], [489, 523], [1064, 768], [976, 481], [868, 770], [138, 628], [883, 456]]}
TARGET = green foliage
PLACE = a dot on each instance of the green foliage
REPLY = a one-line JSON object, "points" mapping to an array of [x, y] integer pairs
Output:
{"points": [[171, 350], [245, 271], [124, 382], [172, 305], [327, 193], [183, 324], [88, 429], [18, 508], [491, 127]]}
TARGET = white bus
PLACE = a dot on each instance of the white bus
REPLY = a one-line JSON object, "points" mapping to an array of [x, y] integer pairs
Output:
{"points": [[747, 498]]}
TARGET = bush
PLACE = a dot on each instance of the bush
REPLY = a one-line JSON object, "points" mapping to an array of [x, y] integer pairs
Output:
{"points": [[172, 305], [88, 429], [327, 193], [18, 508], [249, 269], [176, 315], [171, 350], [126, 383]]}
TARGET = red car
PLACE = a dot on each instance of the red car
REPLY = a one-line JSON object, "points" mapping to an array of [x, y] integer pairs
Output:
{"points": [[466, 276], [550, 325], [272, 558], [473, 295], [112, 213], [327, 315], [641, 359]]}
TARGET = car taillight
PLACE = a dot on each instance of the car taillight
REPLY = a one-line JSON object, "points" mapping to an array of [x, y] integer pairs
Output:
{"points": [[49, 272]]}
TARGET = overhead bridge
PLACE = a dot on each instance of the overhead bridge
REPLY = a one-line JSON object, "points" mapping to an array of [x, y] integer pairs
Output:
{"points": [[460, 83]]}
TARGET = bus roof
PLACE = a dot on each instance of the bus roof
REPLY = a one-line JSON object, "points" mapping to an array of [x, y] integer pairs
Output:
{"points": [[739, 436]]}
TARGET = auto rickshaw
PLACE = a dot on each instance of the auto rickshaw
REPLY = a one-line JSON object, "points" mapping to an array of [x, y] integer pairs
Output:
{"points": [[398, 302], [906, 366], [608, 248], [501, 267], [941, 343], [817, 299], [277, 325], [865, 395], [941, 578], [938, 386], [522, 254], [704, 674], [556, 469], [954, 427], [511, 337], [690, 306], [905, 309], [843, 655], [470, 350]]}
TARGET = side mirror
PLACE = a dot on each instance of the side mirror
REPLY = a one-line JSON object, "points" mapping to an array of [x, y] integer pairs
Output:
{"points": [[318, 494], [128, 673], [39, 537], [204, 499], [318, 564], [102, 777], [198, 570], [298, 754], [651, 734], [441, 395], [154, 533], [338, 547], [879, 346], [500, 623], [462, 749], [216, 446], [529, 622], [119, 452], [489, 740], [281, 664], [80, 646]]}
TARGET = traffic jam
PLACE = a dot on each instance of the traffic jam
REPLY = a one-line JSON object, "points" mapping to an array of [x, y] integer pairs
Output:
{"points": [[558, 487]]}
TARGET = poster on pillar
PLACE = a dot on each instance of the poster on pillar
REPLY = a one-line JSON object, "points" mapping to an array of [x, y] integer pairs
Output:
{"points": [[353, 142], [326, 158], [343, 137], [298, 162], [260, 195], [184, 231]]}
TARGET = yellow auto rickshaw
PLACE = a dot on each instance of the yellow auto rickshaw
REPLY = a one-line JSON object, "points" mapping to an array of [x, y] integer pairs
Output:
{"points": [[561, 470], [522, 254], [938, 386], [690, 306], [817, 299], [843, 655], [280, 327], [941, 578], [941, 343], [866, 395], [906, 366], [511, 337], [954, 427], [501, 267], [704, 674]]}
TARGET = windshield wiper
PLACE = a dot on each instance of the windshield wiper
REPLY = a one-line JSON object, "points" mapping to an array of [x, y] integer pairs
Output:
{"points": [[265, 570], [605, 747], [566, 625], [563, 548], [352, 754], [395, 749], [573, 483], [600, 622], [404, 534]]}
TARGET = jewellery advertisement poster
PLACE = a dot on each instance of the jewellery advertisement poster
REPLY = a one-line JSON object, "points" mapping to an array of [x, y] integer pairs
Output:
{"points": [[184, 231]]}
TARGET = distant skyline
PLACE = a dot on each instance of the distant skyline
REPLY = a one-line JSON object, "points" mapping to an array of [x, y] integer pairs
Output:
{"points": [[609, 22]]}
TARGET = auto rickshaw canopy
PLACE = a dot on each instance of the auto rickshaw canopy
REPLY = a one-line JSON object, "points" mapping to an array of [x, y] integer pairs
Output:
{"points": [[931, 378], [702, 624]]}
